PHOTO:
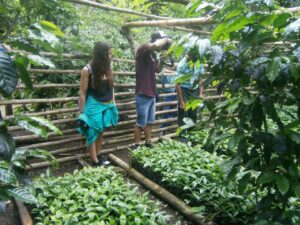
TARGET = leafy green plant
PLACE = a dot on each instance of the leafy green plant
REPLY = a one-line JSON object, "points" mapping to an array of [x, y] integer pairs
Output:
{"points": [[93, 196], [258, 73], [197, 176], [13, 161]]}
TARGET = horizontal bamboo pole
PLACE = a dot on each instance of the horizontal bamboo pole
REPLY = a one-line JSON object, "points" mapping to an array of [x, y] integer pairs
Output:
{"points": [[69, 120], [32, 137], [158, 190], [191, 30], [82, 56], [115, 9], [53, 143], [69, 149], [75, 72], [35, 86], [24, 213], [75, 157], [41, 100], [61, 160], [81, 138], [48, 112], [35, 136], [171, 22], [73, 56], [82, 147], [129, 85], [69, 99]]}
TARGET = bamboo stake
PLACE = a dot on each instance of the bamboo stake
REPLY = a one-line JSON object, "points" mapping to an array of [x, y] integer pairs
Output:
{"points": [[115, 9], [171, 22], [158, 190], [24, 213]]}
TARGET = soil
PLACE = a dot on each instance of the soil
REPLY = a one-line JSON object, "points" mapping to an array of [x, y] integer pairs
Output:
{"points": [[11, 216]]}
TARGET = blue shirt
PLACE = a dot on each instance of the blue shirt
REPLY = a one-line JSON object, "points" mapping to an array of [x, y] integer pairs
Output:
{"points": [[195, 71], [167, 79]]}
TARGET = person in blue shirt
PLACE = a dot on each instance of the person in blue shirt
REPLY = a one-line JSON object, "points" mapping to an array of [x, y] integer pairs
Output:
{"points": [[190, 88], [167, 80]]}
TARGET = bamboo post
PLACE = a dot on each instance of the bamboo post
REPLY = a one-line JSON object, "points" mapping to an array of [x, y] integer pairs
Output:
{"points": [[24, 213], [161, 192], [115, 9]]}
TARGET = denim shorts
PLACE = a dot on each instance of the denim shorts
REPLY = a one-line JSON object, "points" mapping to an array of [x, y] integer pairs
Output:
{"points": [[145, 110]]}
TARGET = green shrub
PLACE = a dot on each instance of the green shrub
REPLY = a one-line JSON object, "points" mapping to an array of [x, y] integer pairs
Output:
{"points": [[93, 196]]}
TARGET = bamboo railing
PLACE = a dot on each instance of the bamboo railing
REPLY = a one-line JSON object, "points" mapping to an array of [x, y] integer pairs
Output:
{"points": [[62, 111]]}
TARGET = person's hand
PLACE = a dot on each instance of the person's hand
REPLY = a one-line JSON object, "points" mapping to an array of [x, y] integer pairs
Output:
{"points": [[168, 43], [182, 105]]}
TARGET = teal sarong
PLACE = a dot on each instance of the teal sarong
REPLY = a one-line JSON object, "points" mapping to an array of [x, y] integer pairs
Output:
{"points": [[95, 117]]}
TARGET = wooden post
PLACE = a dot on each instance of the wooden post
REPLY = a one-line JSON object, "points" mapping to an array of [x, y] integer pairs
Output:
{"points": [[24, 213]]}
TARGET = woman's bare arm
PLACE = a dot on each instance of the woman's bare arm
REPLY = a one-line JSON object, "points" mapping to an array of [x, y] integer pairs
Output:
{"points": [[84, 81]]}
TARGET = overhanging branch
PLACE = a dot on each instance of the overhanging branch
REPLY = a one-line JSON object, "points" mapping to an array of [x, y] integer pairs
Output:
{"points": [[171, 22], [116, 9]]}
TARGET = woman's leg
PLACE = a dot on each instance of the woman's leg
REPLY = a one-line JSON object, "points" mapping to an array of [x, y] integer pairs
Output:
{"points": [[99, 144], [93, 152]]}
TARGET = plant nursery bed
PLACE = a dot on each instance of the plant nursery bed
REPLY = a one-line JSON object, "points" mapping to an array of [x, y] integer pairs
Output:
{"points": [[98, 196], [196, 177]]}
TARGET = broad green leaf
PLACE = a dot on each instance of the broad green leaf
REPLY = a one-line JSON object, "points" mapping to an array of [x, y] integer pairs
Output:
{"points": [[7, 145], [31, 125], [229, 165], [8, 74], [7, 177], [52, 28], [282, 184], [266, 177], [297, 190], [183, 78], [281, 20], [47, 123], [216, 54], [294, 136], [41, 61], [23, 195], [293, 27], [21, 62], [273, 69], [203, 46], [296, 53]]}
